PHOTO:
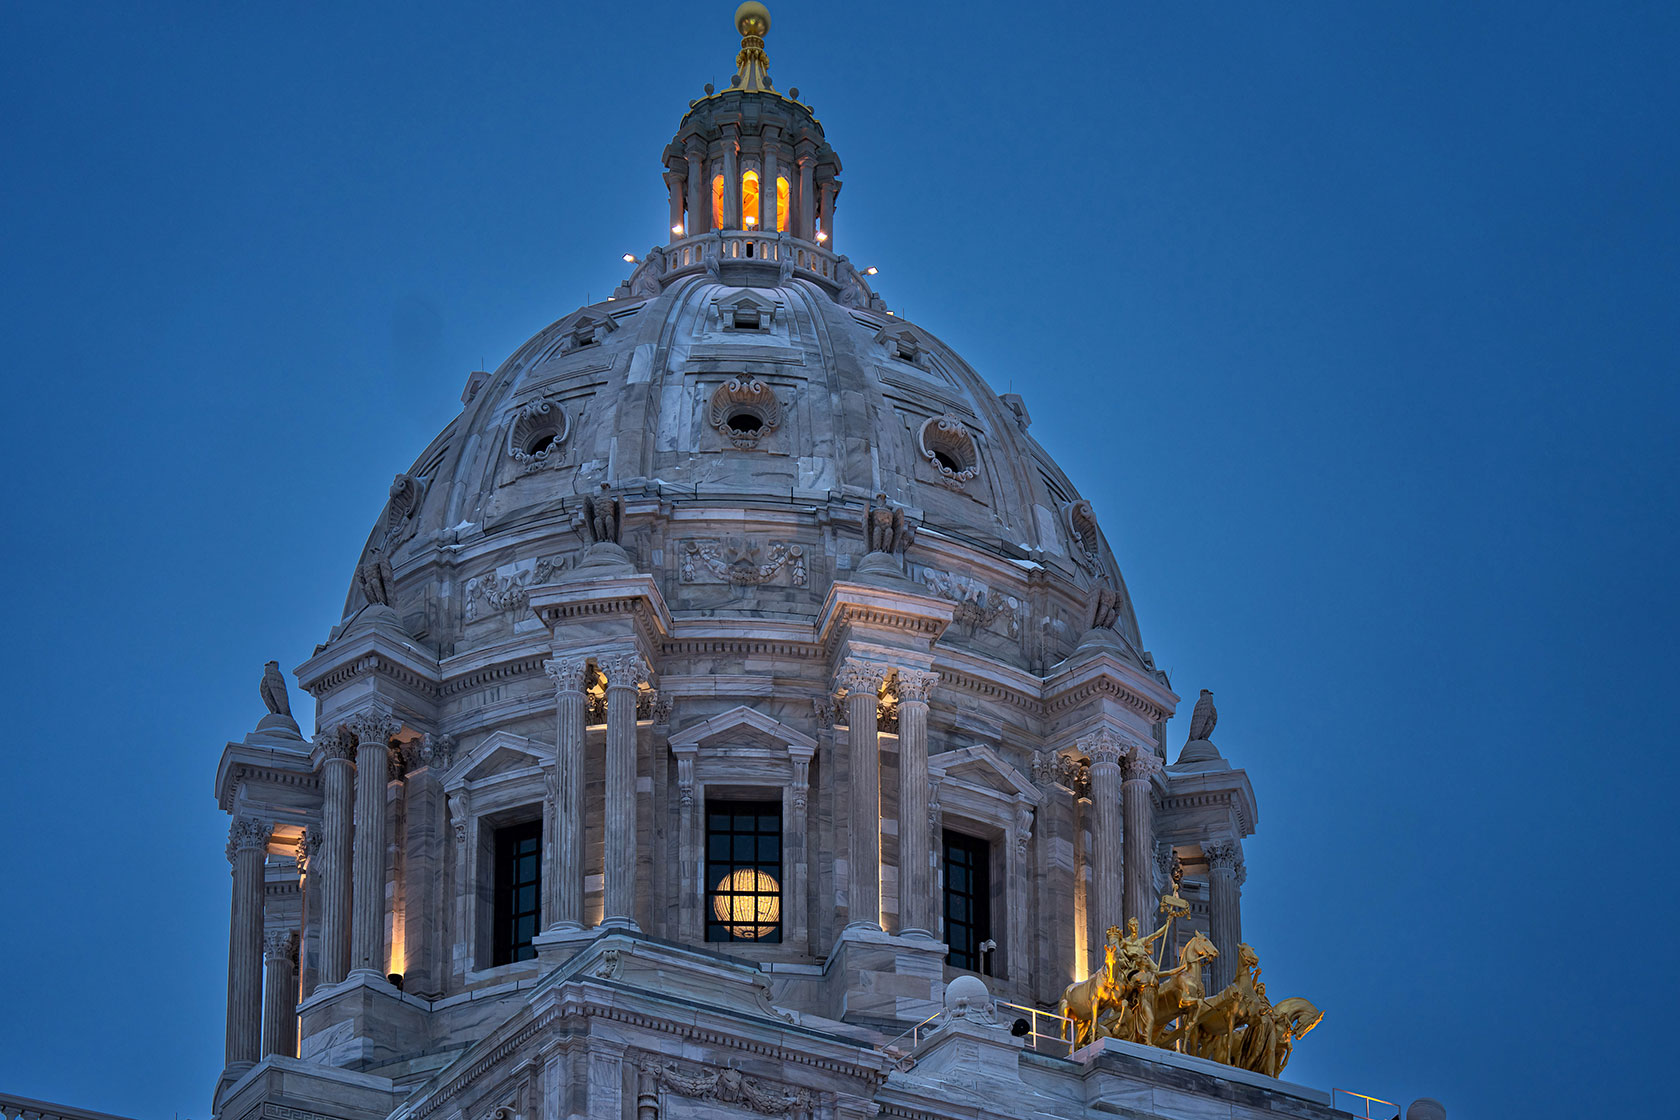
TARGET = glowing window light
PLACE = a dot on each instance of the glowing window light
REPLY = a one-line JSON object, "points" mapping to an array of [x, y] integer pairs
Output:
{"points": [[749, 199], [822, 235], [749, 902], [781, 204], [677, 230]]}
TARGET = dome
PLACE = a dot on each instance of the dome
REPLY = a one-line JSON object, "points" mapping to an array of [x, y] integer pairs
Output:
{"points": [[741, 395]]}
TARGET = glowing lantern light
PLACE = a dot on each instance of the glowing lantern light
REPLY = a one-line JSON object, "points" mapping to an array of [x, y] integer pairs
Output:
{"points": [[749, 902]]}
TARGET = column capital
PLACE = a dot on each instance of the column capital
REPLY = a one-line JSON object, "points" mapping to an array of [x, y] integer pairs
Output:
{"points": [[916, 685], [623, 670], [858, 675], [308, 847], [375, 726], [1223, 854], [333, 743], [1101, 745], [248, 834], [567, 673], [437, 750], [1142, 763], [278, 944]]}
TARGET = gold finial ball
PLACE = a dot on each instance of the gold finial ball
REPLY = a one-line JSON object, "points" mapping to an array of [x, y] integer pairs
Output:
{"points": [[752, 18]]}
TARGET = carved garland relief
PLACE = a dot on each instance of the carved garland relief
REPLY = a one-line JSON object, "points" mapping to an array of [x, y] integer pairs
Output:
{"points": [[741, 562]]}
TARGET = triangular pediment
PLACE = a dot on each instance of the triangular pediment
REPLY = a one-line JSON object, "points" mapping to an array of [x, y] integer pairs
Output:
{"points": [[982, 766], [500, 753], [743, 724]]}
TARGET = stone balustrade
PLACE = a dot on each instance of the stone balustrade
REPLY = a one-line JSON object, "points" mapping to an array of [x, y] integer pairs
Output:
{"points": [[27, 1108]]}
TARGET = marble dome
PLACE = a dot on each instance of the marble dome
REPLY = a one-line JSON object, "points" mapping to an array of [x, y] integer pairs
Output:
{"points": [[761, 411]]}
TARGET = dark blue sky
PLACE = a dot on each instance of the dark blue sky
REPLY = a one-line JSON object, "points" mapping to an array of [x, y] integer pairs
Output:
{"points": [[1357, 323]]}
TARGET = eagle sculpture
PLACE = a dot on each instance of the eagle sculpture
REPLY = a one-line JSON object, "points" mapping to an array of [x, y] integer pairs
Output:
{"points": [[273, 689], [1203, 717]]}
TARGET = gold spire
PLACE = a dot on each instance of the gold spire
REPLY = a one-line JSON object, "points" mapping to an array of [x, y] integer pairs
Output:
{"points": [[752, 65]]}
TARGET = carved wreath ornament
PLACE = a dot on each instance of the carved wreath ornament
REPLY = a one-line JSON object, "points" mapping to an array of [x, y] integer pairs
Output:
{"points": [[947, 444], [745, 410]]}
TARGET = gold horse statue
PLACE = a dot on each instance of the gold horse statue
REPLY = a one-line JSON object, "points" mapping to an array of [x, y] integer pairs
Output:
{"points": [[1085, 1000], [1241, 1027]]}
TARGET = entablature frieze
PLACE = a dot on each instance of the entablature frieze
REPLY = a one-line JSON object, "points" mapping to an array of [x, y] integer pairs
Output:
{"points": [[267, 774]]}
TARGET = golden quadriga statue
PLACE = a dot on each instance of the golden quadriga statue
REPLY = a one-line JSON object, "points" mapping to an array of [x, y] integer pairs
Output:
{"points": [[1132, 998]]}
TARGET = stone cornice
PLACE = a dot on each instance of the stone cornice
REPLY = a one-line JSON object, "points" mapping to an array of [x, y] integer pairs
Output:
{"points": [[1228, 790], [882, 612], [369, 653], [242, 762], [634, 595], [1102, 674]]}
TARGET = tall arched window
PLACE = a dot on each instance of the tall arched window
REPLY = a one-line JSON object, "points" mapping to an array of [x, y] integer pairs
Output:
{"points": [[749, 200], [781, 204], [717, 202]]}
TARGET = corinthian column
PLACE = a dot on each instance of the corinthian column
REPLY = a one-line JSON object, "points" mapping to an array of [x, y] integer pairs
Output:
{"points": [[247, 840], [563, 877], [1104, 749], [1142, 764], [279, 1024], [625, 673], [861, 682], [373, 731], [330, 873], [1225, 876], [915, 873]]}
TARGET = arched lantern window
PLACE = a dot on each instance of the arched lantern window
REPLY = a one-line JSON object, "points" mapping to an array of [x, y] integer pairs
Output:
{"points": [[781, 204], [749, 200], [717, 202]]}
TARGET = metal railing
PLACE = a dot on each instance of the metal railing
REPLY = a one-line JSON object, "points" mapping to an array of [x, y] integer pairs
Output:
{"points": [[1047, 1032], [27, 1108], [1057, 1041], [1366, 1102]]}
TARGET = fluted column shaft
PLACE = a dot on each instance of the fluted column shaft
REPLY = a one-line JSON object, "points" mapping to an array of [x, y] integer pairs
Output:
{"points": [[625, 672], [563, 878], [699, 214], [1104, 749], [1141, 766], [331, 872], [767, 189], [1225, 874], [279, 1023], [247, 840], [806, 201], [674, 189], [862, 682], [830, 192], [731, 183], [915, 871], [367, 885]]}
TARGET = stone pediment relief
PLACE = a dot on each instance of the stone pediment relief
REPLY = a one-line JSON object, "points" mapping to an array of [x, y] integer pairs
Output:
{"points": [[506, 590], [743, 725], [500, 754], [906, 343], [978, 606], [981, 768], [741, 562], [744, 310]]}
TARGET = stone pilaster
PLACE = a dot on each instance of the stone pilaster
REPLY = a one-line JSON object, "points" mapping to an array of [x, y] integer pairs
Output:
{"points": [[332, 869], [830, 189], [1142, 764], [247, 841], [1104, 748], [861, 682], [805, 199], [690, 890], [799, 848], [1225, 875], [280, 993], [916, 917], [625, 673], [373, 731], [674, 189], [563, 876], [767, 188]]}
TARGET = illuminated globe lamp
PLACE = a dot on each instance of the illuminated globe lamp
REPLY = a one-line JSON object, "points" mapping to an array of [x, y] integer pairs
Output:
{"points": [[749, 903]]}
